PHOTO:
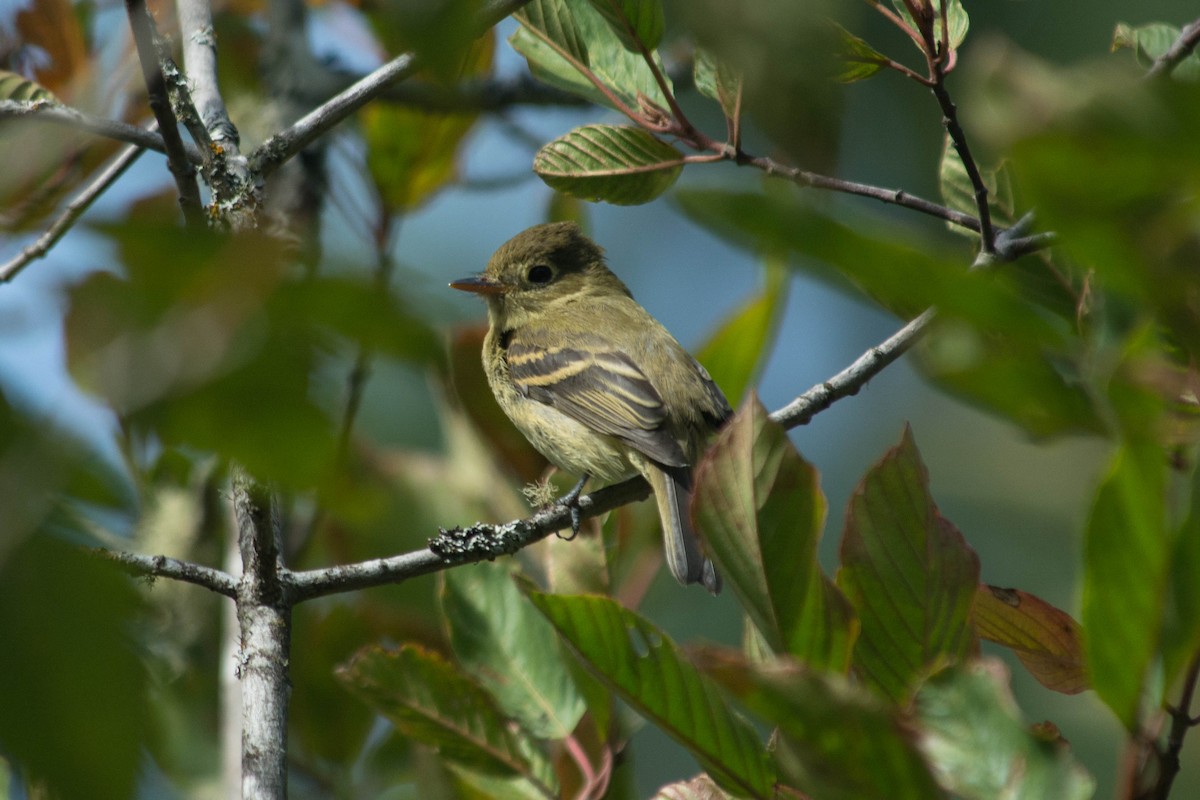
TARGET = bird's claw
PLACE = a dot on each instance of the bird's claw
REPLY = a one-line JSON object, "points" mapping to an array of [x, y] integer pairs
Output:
{"points": [[571, 501]]}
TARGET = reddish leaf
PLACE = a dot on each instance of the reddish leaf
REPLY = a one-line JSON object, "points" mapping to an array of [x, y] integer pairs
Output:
{"points": [[1046, 639]]}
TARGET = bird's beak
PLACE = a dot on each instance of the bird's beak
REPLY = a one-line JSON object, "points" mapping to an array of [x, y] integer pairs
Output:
{"points": [[478, 284]]}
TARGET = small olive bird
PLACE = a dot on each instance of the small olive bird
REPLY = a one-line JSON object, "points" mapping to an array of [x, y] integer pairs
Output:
{"points": [[595, 383]]}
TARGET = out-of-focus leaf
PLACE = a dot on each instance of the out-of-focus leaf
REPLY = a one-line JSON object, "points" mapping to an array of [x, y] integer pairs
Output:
{"points": [[564, 39], [17, 87], [1126, 573], [980, 749], [786, 55], [412, 154], [618, 164], [646, 668], [634, 21], [834, 740], [440, 32], [759, 507], [736, 352], [717, 81], [472, 784], [1037, 392], [431, 701], [957, 21], [861, 59], [1124, 205], [958, 193], [510, 648], [1001, 357], [909, 574], [52, 28], [1046, 639], [1181, 635], [1149, 42], [320, 717], [74, 710]]}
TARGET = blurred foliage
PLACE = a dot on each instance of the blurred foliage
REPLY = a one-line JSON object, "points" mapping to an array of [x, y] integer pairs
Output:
{"points": [[529, 678]]}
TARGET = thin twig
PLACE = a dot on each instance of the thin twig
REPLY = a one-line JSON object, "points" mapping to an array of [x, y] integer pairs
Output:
{"points": [[143, 566], [1180, 49], [200, 61], [1181, 722], [145, 36], [73, 211], [67, 116]]}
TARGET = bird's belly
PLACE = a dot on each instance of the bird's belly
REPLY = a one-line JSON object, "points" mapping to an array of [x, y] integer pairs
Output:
{"points": [[570, 445]]}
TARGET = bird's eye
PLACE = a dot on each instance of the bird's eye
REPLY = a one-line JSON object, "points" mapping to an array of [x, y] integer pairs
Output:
{"points": [[540, 273]]}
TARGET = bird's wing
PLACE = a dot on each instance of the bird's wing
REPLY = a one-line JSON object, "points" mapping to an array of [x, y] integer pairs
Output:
{"points": [[600, 388]]}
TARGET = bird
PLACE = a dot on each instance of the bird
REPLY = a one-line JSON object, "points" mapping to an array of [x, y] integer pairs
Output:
{"points": [[594, 382]]}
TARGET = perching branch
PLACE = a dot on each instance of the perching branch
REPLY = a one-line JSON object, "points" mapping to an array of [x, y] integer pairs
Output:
{"points": [[200, 61], [144, 36], [74, 210], [1181, 722], [1180, 49]]}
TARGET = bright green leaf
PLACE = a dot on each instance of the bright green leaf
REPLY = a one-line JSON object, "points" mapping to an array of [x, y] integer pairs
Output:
{"points": [[972, 733], [861, 59], [618, 164], [1182, 632], [834, 740], [647, 669], [634, 21], [909, 573], [432, 702], [761, 511], [565, 41], [957, 21], [1126, 570], [1149, 42], [736, 352], [499, 636], [1046, 639], [717, 81]]}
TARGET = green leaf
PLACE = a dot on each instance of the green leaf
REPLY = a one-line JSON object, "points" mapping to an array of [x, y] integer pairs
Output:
{"points": [[983, 321], [972, 733], [956, 19], [834, 740], [74, 713], [861, 59], [621, 165], [412, 154], [1181, 636], [499, 636], [1046, 639], [761, 511], [909, 573], [958, 193], [634, 21], [736, 352], [432, 702], [1126, 572], [17, 87], [1149, 42], [647, 669], [565, 41], [717, 81]]}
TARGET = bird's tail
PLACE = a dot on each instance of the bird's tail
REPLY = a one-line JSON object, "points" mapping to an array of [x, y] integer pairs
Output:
{"points": [[672, 488]]}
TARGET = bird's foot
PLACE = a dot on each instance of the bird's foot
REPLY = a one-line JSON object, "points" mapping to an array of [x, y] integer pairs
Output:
{"points": [[571, 501]]}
